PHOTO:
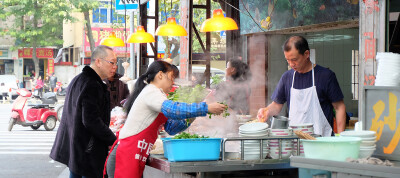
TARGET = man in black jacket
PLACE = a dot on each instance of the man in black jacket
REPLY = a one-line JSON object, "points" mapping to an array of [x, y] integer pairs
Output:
{"points": [[83, 137]]}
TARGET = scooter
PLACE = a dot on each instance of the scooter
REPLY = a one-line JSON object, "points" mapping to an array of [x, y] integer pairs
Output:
{"points": [[35, 116], [60, 90]]}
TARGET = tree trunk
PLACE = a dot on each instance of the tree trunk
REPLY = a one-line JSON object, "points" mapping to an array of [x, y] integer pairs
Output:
{"points": [[34, 44], [89, 30]]}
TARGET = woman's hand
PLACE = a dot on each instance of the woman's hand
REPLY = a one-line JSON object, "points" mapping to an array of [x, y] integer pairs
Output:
{"points": [[216, 108]]}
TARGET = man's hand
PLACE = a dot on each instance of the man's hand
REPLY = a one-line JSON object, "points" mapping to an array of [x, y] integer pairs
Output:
{"points": [[216, 108], [262, 114]]}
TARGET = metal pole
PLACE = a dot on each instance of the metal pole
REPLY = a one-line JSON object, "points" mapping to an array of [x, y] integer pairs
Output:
{"points": [[131, 48]]}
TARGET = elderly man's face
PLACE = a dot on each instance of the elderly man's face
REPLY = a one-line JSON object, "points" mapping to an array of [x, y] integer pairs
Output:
{"points": [[296, 61], [108, 65]]}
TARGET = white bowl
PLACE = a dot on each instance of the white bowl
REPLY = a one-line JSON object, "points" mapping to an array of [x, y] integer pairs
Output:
{"points": [[305, 125], [254, 132], [281, 134], [304, 129], [285, 154], [251, 127], [361, 133], [365, 153], [280, 130], [368, 138], [367, 143], [368, 147]]}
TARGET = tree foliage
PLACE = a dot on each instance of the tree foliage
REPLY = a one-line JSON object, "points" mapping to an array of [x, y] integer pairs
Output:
{"points": [[35, 23]]}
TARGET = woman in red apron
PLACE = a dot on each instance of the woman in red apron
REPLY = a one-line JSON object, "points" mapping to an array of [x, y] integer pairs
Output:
{"points": [[149, 109]]}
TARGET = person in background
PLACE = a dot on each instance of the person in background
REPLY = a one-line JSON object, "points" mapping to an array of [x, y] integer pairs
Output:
{"points": [[118, 90], [311, 91], [84, 137], [46, 82], [53, 82], [3, 91], [235, 91], [39, 86], [148, 108]]}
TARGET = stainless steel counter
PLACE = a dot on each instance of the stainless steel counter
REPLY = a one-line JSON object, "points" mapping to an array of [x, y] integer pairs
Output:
{"points": [[346, 169], [159, 162]]}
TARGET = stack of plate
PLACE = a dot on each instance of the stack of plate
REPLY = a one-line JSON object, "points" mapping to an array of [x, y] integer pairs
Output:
{"points": [[252, 147], [368, 140], [286, 147], [388, 72], [306, 128]]}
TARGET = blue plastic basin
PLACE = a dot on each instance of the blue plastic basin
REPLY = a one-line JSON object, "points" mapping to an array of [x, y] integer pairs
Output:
{"points": [[164, 147], [196, 149]]}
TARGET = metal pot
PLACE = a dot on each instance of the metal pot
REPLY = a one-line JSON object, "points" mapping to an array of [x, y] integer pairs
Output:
{"points": [[279, 122]]}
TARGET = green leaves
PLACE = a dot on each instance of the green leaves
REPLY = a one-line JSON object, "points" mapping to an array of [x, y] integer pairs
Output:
{"points": [[36, 23], [185, 135]]}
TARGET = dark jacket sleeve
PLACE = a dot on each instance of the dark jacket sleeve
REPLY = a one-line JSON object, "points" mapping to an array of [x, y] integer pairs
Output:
{"points": [[91, 114]]}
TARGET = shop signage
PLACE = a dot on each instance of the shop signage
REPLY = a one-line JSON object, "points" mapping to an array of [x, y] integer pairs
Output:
{"points": [[126, 4], [50, 66], [100, 33], [4, 53], [382, 115], [40, 53]]}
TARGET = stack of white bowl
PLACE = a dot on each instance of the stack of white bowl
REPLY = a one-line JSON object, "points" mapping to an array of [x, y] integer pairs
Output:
{"points": [[388, 72], [252, 147], [368, 141], [306, 128], [286, 147]]}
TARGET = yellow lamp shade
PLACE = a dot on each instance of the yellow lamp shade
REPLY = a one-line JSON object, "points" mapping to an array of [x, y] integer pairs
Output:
{"points": [[171, 29], [112, 41], [218, 23], [140, 36]]}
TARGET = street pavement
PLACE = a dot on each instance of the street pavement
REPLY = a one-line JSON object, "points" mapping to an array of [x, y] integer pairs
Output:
{"points": [[24, 152]]}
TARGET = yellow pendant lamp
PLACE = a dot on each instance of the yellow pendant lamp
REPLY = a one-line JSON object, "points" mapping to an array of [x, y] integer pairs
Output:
{"points": [[171, 29], [218, 23], [140, 36], [112, 41]]}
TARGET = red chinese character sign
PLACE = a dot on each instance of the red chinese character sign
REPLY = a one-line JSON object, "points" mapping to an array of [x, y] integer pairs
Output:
{"points": [[100, 33], [50, 66], [370, 45], [371, 6], [40, 53]]}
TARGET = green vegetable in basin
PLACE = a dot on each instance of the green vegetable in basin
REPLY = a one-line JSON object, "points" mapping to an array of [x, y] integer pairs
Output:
{"points": [[185, 135]]}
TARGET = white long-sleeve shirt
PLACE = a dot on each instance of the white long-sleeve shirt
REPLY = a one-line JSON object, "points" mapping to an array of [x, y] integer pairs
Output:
{"points": [[144, 111]]}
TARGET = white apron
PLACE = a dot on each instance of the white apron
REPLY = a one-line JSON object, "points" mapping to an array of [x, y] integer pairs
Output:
{"points": [[305, 108]]}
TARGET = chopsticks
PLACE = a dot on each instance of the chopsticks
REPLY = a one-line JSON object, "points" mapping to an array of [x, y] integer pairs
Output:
{"points": [[303, 135]]}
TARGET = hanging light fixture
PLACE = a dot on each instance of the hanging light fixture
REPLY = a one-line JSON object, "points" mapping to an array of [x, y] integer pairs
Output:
{"points": [[218, 23], [112, 40], [140, 36], [171, 29]]}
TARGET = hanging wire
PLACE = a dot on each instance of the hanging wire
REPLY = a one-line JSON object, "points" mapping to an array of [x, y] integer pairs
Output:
{"points": [[126, 38], [165, 11], [258, 25]]}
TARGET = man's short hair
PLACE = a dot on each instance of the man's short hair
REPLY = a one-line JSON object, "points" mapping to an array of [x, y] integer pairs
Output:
{"points": [[299, 43], [100, 52]]}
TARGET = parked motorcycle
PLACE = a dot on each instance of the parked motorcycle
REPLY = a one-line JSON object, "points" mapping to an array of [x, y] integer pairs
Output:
{"points": [[35, 116], [60, 90]]}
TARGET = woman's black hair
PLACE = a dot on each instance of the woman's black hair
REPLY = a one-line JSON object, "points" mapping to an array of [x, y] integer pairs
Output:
{"points": [[148, 77], [242, 70]]}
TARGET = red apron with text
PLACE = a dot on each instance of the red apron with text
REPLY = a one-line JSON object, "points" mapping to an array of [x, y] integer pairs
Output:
{"points": [[133, 151]]}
